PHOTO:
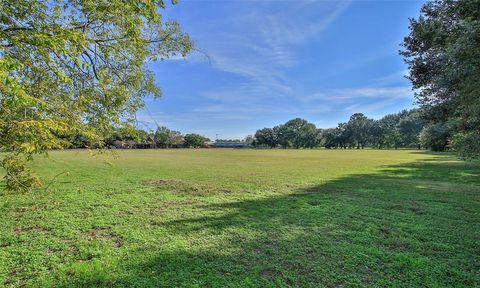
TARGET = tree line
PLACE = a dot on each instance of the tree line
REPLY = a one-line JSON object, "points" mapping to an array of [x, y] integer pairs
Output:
{"points": [[129, 137], [400, 130], [405, 129]]}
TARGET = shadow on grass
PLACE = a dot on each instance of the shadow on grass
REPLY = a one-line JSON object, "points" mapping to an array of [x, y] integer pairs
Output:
{"points": [[409, 225]]}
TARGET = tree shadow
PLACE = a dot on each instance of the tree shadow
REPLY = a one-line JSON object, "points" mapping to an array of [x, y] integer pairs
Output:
{"points": [[437, 169], [415, 224]]}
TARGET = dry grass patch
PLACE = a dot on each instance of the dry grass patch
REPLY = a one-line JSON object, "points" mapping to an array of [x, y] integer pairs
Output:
{"points": [[103, 233], [184, 186]]}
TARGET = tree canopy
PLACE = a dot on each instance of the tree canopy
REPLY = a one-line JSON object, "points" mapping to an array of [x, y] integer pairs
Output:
{"points": [[443, 55], [72, 67], [266, 136], [391, 131], [193, 140], [298, 133], [166, 138]]}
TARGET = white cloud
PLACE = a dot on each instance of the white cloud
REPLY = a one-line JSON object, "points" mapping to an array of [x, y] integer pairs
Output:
{"points": [[264, 54], [359, 99], [346, 94]]}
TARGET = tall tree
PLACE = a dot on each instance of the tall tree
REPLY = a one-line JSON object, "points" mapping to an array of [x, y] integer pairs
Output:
{"points": [[344, 135], [298, 133], [167, 138], [249, 139], [359, 126], [391, 135], [410, 127], [436, 136], [443, 55], [195, 140], [266, 136], [75, 67], [329, 138], [376, 134]]}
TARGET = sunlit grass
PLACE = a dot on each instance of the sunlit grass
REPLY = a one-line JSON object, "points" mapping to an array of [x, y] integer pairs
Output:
{"points": [[245, 218]]}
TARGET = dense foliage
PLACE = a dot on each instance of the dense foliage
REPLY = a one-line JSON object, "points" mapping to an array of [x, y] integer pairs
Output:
{"points": [[71, 69], [195, 140], [392, 131], [166, 138], [130, 137], [443, 54], [297, 133]]}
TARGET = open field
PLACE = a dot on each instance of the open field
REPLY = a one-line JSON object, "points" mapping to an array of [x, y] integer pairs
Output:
{"points": [[245, 218]]}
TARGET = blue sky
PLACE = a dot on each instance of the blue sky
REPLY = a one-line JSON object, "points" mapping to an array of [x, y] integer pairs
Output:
{"points": [[271, 61]]}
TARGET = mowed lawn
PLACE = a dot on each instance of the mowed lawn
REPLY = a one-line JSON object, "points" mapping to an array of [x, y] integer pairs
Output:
{"points": [[245, 218]]}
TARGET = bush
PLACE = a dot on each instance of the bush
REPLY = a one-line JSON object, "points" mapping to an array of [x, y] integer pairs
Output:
{"points": [[467, 145], [436, 136]]}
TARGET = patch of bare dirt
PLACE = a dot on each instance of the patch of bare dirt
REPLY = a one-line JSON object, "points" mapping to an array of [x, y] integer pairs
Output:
{"points": [[105, 233], [268, 273], [28, 229], [163, 183]]}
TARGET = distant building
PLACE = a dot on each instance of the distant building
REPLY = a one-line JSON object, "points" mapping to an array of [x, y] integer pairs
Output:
{"points": [[229, 144]]}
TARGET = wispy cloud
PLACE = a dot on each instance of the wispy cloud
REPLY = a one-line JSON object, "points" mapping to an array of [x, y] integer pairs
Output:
{"points": [[280, 31], [264, 54], [359, 99], [346, 94]]}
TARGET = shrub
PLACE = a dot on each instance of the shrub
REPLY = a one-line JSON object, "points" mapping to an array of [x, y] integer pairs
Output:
{"points": [[436, 136], [467, 145]]}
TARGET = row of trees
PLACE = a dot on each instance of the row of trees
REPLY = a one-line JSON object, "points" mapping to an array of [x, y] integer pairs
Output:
{"points": [[129, 137], [296, 133], [406, 129], [397, 130], [403, 129]]}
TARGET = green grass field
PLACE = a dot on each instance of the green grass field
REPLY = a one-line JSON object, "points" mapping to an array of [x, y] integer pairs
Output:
{"points": [[245, 218]]}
